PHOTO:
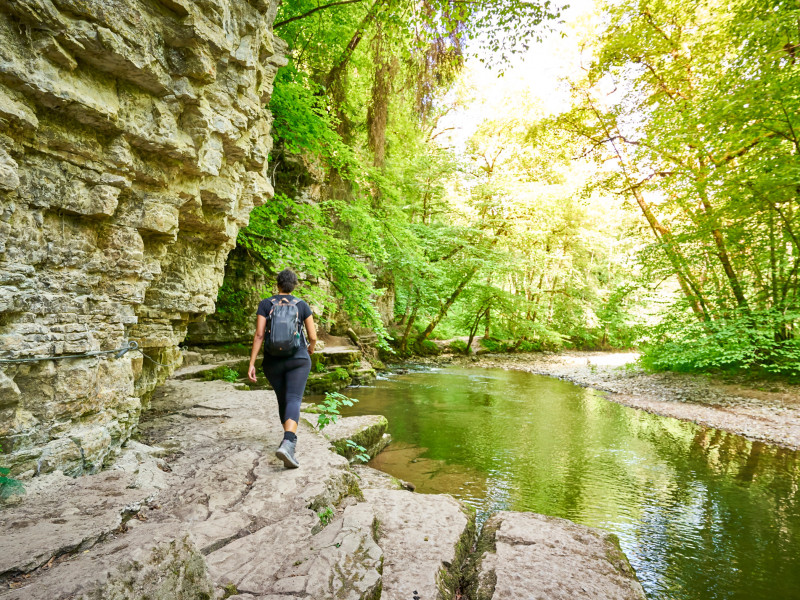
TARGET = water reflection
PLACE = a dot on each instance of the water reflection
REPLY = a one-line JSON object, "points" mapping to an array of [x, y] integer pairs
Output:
{"points": [[701, 513]]}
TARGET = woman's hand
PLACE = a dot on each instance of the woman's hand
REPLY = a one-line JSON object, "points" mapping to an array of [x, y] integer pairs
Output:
{"points": [[311, 347], [251, 374]]}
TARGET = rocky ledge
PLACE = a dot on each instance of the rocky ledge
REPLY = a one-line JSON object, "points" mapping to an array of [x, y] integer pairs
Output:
{"points": [[201, 508], [133, 146]]}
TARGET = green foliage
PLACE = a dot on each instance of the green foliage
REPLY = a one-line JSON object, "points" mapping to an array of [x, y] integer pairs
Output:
{"points": [[340, 373], [329, 408], [326, 515], [8, 485], [224, 372], [360, 452], [319, 367], [745, 340], [284, 232], [303, 123], [704, 130], [458, 346], [231, 304]]}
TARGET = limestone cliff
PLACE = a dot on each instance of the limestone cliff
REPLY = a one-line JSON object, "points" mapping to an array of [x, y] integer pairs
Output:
{"points": [[133, 145]]}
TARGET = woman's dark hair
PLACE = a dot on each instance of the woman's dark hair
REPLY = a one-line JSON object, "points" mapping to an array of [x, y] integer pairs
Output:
{"points": [[287, 281]]}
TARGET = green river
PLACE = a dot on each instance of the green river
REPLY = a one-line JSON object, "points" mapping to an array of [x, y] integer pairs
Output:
{"points": [[702, 514]]}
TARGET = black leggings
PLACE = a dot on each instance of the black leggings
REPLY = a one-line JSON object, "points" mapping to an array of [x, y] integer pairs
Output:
{"points": [[288, 378]]}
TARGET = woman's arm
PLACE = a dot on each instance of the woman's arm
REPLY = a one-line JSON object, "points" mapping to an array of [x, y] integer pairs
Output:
{"points": [[258, 340], [312, 334]]}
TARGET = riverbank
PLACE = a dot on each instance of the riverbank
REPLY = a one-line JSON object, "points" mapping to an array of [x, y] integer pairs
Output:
{"points": [[767, 411], [200, 508]]}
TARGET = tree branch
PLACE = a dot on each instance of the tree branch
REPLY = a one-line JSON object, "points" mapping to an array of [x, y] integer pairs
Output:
{"points": [[314, 10]]}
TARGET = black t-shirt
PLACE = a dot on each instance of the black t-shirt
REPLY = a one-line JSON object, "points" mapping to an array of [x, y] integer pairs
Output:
{"points": [[303, 310]]}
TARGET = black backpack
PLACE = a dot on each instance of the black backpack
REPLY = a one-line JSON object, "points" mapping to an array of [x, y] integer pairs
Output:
{"points": [[283, 336]]}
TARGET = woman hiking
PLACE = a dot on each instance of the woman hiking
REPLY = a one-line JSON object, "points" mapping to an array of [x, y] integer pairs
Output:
{"points": [[286, 356]]}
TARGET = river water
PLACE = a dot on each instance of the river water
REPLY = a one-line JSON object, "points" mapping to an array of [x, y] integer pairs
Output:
{"points": [[700, 513]]}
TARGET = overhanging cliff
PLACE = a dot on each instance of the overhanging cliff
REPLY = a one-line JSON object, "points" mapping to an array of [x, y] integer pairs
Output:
{"points": [[133, 145]]}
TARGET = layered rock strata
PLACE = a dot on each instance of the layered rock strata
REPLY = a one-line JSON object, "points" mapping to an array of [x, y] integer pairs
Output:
{"points": [[133, 145]]}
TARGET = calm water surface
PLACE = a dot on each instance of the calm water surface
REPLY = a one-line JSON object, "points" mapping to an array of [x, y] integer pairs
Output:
{"points": [[701, 514]]}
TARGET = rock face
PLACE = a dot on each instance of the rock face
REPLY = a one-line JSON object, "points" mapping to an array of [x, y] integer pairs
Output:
{"points": [[526, 555], [133, 145]]}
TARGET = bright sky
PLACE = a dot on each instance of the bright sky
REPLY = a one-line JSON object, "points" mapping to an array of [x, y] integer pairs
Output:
{"points": [[537, 72]]}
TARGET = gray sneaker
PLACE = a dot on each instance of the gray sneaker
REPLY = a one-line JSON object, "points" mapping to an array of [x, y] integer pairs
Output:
{"points": [[286, 453]]}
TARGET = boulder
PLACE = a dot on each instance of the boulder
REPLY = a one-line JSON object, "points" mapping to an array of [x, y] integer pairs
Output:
{"points": [[526, 555], [425, 540]]}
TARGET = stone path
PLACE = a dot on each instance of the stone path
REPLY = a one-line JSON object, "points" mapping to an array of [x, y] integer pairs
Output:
{"points": [[206, 496], [200, 508]]}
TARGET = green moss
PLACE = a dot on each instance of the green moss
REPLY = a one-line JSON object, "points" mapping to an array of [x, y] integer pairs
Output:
{"points": [[451, 580], [369, 437], [223, 372], [617, 557], [376, 529], [470, 584]]}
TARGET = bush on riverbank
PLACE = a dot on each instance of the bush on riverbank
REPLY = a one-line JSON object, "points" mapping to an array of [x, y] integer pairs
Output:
{"points": [[743, 342]]}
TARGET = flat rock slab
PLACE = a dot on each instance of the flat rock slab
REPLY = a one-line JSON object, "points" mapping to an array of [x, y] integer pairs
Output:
{"points": [[148, 561], [66, 515], [368, 431], [218, 487], [545, 558], [424, 539], [373, 479]]}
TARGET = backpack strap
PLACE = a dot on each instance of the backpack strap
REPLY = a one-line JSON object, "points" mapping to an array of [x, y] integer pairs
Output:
{"points": [[276, 301]]}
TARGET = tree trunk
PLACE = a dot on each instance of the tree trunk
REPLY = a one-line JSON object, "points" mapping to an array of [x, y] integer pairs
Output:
{"points": [[474, 329], [722, 254], [448, 303]]}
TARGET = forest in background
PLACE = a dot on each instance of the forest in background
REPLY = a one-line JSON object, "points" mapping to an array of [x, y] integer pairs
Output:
{"points": [[658, 209]]}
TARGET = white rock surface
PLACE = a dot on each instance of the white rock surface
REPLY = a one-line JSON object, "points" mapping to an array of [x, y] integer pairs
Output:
{"points": [[535, 556]]}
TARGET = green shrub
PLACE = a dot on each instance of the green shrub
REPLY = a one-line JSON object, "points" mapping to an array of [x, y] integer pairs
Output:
{"points": [[458, 346], [426, 348], [360, 452], [508, 346], [326, 515], [340, 373], [329, 408], [743, 341]]}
